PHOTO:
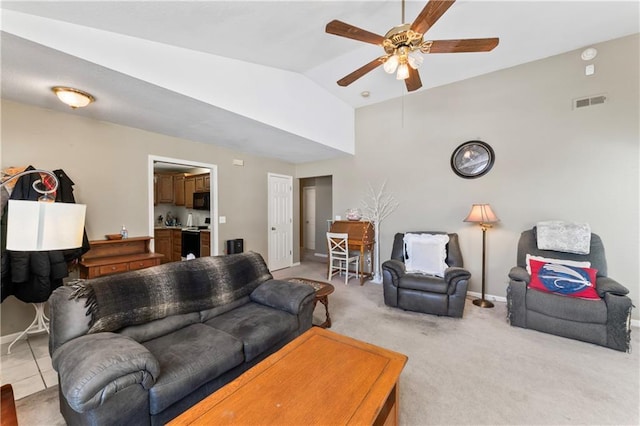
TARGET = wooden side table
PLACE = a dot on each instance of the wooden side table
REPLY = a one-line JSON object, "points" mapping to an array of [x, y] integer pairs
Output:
{"points": [[323, 290]]}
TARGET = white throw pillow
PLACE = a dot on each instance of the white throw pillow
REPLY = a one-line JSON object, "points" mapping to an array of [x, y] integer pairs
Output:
{"points": [[575, 263], [426, 253]]}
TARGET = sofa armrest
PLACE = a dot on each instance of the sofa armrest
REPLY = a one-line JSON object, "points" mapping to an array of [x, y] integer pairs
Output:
{"points": [[609, 285], [518, 273], [93, 367], [284, 295], [396, 269]]}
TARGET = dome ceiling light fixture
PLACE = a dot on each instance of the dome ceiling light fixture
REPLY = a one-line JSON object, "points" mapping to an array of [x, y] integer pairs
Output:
{"points": [[404, 44], [75, 98]]}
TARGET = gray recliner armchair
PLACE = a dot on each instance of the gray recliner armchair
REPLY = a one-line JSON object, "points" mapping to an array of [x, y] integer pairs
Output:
{"points": [[604, 321], [426, 293]]}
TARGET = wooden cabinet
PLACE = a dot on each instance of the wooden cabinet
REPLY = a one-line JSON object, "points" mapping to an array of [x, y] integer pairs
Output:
{"points": [[189, 189], [108, 257], [176, 244], [207, 181], [163, 244], [169, 243], [178, 190], [165, 188], [205, 243], [199, 183]]}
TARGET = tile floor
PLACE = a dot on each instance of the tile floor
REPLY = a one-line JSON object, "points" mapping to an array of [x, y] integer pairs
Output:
{"points": [[28, 368]]}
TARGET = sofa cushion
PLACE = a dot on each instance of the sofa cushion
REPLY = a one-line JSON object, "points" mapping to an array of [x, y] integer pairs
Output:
{"points": [[189, 358], [157, 328], [421, 282], [258, 327], [568, 308]]}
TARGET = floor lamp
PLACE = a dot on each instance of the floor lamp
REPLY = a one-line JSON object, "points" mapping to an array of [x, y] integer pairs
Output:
{"points": [[42, 225], [484, 216]]}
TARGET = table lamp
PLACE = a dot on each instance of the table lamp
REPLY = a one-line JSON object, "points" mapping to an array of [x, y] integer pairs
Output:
{"points": [[484, 216]]}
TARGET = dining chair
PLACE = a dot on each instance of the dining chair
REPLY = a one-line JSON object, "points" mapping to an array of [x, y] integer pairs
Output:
{"points": [[339, 256]]}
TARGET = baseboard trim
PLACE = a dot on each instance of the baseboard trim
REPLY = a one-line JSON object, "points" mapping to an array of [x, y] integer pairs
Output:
{"points": [[490, 297], [320, 255]]}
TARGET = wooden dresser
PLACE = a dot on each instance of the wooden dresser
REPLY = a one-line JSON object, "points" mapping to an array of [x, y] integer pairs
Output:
{"points": [[108, 257], [361, 238]]}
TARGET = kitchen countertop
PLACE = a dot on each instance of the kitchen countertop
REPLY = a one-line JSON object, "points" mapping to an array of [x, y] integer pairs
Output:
{"points": [[183, 228]]}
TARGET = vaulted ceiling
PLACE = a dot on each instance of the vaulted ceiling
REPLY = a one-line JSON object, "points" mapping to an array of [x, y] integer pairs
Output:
{"points": [[260, 76]]}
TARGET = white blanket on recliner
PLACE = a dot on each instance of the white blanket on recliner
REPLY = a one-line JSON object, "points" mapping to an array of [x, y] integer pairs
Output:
{"points": [[568, 237]]}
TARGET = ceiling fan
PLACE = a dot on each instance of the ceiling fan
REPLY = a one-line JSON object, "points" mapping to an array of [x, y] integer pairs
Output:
{"points": [[403, 44]]}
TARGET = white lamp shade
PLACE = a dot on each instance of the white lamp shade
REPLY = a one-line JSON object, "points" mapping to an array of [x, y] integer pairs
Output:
{"points": [[38, 226], [481, 213]]}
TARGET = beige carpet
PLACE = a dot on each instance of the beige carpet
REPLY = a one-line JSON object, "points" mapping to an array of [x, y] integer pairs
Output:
{"points": [[474, 370]]}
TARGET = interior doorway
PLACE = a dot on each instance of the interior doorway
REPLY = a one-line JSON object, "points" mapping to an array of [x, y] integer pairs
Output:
{"points": [[317, 202], [183, 214]]}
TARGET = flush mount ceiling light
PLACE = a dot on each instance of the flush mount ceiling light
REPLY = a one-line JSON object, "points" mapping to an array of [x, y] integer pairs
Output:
{"points": [[589, 53], [75, 98]]}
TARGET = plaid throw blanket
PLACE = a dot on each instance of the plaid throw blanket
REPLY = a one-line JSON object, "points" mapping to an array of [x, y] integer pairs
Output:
{"points": [[138, 297]]}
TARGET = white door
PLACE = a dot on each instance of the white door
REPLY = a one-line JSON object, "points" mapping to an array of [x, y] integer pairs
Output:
{"points": [[309, 208], [280, 221]]}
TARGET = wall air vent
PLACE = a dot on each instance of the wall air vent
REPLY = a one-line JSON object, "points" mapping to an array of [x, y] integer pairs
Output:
{"points": [[592, 100]]}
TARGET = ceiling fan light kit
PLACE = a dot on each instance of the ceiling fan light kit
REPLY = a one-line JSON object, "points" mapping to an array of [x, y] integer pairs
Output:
{"points": [[404, 45]]}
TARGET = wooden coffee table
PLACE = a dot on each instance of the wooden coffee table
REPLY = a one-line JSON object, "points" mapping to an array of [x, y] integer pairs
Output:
{"points": [[320, 378], [323, 290]]}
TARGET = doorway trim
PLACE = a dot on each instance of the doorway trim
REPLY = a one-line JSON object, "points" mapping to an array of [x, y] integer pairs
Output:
{"points": [[213, 191]]}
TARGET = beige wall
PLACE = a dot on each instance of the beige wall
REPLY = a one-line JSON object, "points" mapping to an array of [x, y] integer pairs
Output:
{"points": [[109, 163], [552, 162]]}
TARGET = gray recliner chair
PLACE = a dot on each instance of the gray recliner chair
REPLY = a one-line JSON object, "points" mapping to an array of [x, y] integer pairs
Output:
{"points": [[605, 322], [426, 293]]}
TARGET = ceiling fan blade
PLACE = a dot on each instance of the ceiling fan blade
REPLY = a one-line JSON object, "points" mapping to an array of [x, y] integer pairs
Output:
{"points": [[413, 82], [347, 80], [432, 11], [349, 31], [464, 45]]}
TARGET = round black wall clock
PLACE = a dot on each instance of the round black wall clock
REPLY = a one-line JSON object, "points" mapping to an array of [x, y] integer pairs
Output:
{"points": [[472, 159]]}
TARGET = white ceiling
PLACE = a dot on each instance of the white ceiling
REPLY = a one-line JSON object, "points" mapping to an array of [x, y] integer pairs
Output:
{"points": [[287, 35]]}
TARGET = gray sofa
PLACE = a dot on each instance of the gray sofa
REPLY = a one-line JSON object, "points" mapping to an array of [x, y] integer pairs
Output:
{"points": [[142, 347], [605, 322], [425, 293]]}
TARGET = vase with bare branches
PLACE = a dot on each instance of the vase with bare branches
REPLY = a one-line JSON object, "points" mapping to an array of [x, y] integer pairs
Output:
{"points": [[376, 206]]}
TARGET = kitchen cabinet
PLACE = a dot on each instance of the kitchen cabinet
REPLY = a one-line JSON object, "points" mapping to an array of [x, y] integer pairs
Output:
{"points": [[107, 257], [189, 189], [205, 243], [176, 244], [163, 244], [169, 243], [207, 182], [178, 190], [165, 188], [199, 183]]}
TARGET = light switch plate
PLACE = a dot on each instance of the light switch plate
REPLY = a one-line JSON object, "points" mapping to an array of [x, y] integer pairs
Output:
{"points": [[222, 219]]}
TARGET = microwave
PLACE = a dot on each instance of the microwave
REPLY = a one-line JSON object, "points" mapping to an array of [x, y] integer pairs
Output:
{"points": [[201, 201]]}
